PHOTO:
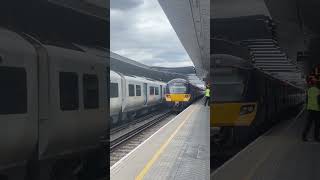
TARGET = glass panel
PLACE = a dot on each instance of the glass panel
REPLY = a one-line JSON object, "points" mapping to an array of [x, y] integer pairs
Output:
{"points": [[177, 89], [131, 90], [151, 90], [138, 90], [228, 84], [114, 90], [13, 91], [90, 91], [69, 91]]}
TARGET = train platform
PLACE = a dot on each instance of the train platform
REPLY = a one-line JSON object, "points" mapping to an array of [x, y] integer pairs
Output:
{"points": [[178, 150], [279, 154]]}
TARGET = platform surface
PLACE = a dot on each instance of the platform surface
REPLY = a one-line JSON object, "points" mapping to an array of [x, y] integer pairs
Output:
{"points": [[280, 154], [179, 150]]}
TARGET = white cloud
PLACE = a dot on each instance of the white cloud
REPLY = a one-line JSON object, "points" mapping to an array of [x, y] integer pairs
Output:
{"points": [[173, 64], [125, 4], [143, 33]]}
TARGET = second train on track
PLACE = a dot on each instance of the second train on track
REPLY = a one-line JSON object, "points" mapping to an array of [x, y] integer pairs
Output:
{"points": [[180, 93]]}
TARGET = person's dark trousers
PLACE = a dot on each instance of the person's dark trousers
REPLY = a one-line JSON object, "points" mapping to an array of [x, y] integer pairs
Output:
{"points": [[313, 116], [207, 101]]}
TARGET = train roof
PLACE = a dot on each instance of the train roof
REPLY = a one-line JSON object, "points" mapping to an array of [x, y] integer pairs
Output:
{"points": [[114, 74], [12, 41], [75, 55], [22, 43], [142, 79], [135, 78], [97, 51], [178, 80]]}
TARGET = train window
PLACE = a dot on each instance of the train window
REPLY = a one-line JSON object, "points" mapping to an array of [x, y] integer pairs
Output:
{"points": [[90, 91], [131, 90], [151, 90], [69, 91], [13, 91], [114, 90], [177, 89], [226, 79], [156, 91], [138, 90]]}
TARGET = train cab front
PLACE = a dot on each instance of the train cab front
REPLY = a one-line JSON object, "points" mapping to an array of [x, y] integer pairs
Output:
{"points": [[177, 94], [233, 104]]}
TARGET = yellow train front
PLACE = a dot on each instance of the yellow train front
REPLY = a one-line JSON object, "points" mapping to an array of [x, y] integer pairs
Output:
{"points": [[180, 93], [246, 102]]}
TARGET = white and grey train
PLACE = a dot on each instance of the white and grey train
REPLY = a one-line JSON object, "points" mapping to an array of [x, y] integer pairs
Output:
{"points": [[131, 96], [51, 107]]}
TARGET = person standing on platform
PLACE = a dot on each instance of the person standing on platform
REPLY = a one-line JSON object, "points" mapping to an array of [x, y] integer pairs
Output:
{"points": [[313, 108], [207, 96]]}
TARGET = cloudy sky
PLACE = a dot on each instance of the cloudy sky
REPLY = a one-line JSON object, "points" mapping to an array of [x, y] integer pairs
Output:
{"points": [[141, 31]]}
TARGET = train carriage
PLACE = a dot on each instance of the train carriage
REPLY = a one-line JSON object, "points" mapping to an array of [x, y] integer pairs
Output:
{"points": [[132, 96], [50, 106], [246, 101]]}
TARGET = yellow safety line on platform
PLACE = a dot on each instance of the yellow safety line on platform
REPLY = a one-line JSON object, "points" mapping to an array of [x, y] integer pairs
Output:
{"points": [[161, 149]]}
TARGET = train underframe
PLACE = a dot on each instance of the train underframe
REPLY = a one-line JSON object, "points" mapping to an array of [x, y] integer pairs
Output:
{"points": [[177, 106], [88, 164], [125, 117]]}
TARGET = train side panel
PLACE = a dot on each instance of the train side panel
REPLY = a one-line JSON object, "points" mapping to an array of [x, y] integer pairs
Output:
{"points": [[154, 96], [115, 96], [19, 100], [133, 101], [139, 96], [74, 123]]}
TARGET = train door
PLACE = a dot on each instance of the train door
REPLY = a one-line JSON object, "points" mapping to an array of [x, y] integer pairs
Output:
{"points": [[123, 92], [145, 93], [161, 95]]}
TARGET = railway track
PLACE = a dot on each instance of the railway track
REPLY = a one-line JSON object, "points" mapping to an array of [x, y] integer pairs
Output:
{"points": [[135, 121], [118, 140], [123, 143]]}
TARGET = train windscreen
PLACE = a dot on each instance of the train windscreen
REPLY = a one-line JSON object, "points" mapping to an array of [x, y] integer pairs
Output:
{"points": [[177, 89], [228, 85]]}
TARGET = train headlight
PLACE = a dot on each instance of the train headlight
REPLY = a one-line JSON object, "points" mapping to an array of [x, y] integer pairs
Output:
{"points": [[186, 97], [168, 97], [246, 109]]}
